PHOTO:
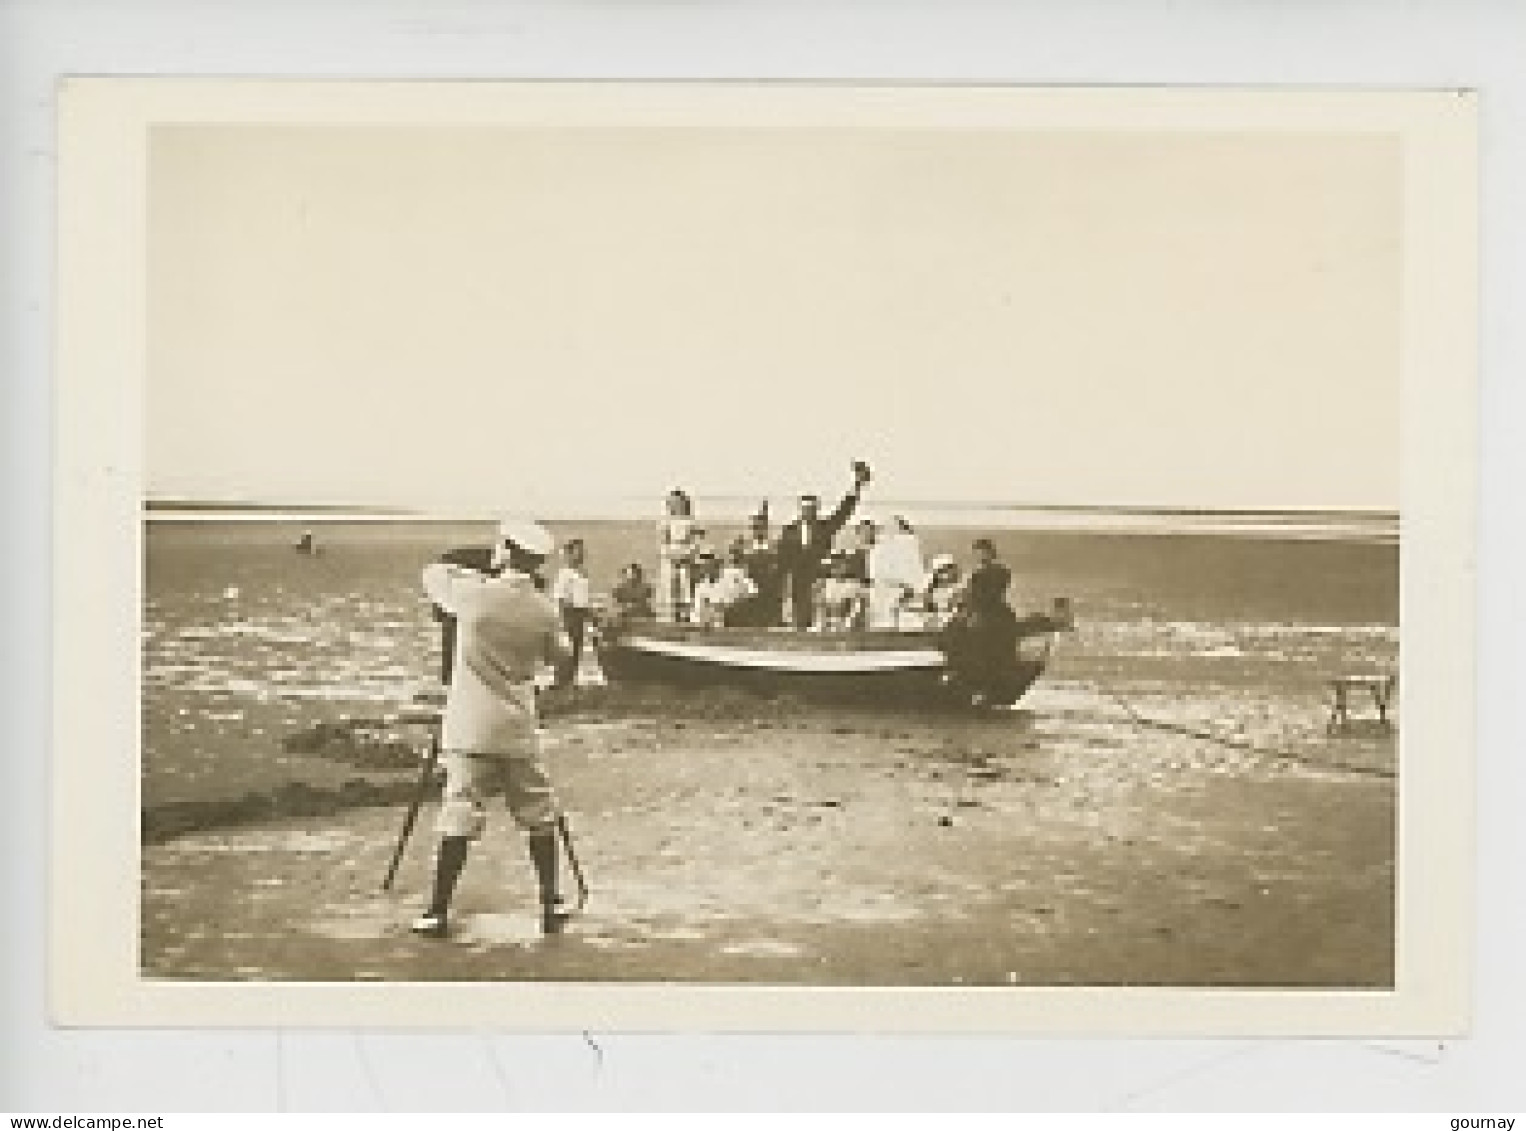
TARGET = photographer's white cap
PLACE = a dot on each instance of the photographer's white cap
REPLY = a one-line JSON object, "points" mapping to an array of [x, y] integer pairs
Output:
{"points": [[529, 537]]}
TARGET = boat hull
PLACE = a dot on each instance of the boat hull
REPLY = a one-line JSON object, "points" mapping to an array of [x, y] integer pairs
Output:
{"points": [[870, 668]]}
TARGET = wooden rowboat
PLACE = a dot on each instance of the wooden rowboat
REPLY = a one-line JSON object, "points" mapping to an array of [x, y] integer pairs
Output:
{"points": [[892, 667]]}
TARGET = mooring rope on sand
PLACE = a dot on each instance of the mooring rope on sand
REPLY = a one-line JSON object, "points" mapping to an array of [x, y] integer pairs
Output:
{"points": [[1277, 755]]}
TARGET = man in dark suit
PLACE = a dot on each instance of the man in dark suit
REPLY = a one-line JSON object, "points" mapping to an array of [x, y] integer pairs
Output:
{"points": [[760, 558], [805, 543]]}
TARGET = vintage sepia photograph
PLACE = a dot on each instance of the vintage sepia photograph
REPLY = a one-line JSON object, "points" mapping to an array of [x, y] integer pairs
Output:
{"points": [[909, 543]]}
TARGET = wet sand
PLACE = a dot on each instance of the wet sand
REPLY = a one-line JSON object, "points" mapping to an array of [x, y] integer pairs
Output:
{"points": [[748, 841]]}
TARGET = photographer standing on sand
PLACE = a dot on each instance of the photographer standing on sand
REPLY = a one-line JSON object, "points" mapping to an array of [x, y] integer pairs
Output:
{"points": [[505, 629]]}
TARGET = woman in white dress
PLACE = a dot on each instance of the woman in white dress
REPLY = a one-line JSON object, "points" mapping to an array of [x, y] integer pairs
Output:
{"points": [[677, 543], [895, 573]]}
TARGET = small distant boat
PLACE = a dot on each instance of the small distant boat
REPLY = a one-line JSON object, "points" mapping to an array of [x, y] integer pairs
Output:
{"points": [[882, 666]]}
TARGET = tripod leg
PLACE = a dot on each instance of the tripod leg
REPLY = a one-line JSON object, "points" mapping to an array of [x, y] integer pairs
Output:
{"points": [[572, 860], [420, 790]]}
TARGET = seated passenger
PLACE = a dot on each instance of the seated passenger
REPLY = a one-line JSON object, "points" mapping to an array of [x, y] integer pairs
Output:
{"points": [[709, 594], [761, 559], [737, 591], [943, 591], [633, 596], [841, 598], [703, 547], [865, 537]]}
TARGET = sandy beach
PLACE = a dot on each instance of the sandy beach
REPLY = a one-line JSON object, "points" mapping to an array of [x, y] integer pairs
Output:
{"points": [[1062, 844]]}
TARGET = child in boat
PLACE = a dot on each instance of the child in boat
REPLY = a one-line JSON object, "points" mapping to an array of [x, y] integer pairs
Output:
{"points": [[841, 598], [632, 596], [943, 591], [709, 609], [677, 544]]}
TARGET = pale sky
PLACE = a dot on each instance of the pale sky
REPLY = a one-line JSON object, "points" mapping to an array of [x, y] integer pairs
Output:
{"points": [[472, 317]]}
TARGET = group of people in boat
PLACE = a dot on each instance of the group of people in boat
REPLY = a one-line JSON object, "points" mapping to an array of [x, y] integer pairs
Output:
{"points": [[811, 576]]}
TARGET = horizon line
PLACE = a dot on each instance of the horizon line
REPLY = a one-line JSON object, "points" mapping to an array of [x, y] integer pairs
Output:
{"points": [[618, 505]]}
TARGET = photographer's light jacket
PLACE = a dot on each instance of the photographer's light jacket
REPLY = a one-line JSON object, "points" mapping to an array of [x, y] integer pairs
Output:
{"points": [[506, 628]]}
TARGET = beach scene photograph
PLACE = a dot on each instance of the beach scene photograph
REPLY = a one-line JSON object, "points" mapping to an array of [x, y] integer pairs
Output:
{"points": [[815, 555]]}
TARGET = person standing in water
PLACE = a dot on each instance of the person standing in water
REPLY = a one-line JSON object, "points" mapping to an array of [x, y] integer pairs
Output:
{"points": [[506, 629], [575, 605]]}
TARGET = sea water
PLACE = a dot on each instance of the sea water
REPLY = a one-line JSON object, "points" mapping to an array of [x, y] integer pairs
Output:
{"points": [[1234, 623]]}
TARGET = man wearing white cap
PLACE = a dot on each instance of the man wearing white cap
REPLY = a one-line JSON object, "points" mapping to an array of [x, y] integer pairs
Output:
{"points": [[506, 628]]}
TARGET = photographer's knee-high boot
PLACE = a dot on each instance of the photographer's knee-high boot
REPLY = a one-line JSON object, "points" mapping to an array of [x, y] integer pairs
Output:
{"points": [[448, 865], [542, 845]]}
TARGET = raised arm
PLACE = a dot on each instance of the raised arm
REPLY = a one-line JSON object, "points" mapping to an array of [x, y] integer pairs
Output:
{"points": [[839, 517], [844, 511], [448, 585], [479, 558]]}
